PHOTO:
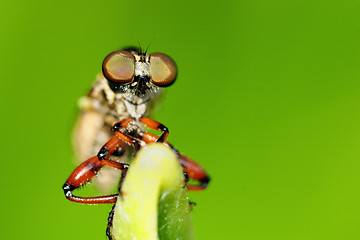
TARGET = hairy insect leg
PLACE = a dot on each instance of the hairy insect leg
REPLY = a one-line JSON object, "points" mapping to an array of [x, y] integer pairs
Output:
{"points": [[110, 223], [88, 169], [111, 214], [192, 169]]}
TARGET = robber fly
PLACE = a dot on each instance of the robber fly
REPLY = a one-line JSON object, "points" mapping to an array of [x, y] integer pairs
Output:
{"points": [[115, 112]]}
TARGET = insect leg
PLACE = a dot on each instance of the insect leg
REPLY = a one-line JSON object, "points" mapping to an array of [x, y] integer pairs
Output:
{"points": [[111, 214], [123, 124], [150, 123], [191, 168], [194, 171], [88, 169], [110, 223]]}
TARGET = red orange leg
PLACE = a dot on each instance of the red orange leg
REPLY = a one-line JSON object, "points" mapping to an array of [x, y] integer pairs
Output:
{"points": [[79, 177], [150, 123], [123, 124], [194, 171], [191, 168], [149, 138], [88, 169]]}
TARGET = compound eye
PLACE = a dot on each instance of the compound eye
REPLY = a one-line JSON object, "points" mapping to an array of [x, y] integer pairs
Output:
{"points": [[163, 70], [119, 67]]}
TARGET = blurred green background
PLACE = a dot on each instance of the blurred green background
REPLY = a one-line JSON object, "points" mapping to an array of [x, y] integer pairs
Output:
{"points": [[267, 100]]}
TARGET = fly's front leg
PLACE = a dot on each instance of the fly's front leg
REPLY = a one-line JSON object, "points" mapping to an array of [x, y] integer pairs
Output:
{"points": [[150, 123], [192, 169], [121, 125], [88, 169]]}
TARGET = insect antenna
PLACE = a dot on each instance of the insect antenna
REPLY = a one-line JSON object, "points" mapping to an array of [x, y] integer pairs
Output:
{"points": [[148, 47], [139, 46]]}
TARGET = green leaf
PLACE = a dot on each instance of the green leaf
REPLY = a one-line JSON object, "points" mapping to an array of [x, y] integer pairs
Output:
{"points": [[154, 203]]}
